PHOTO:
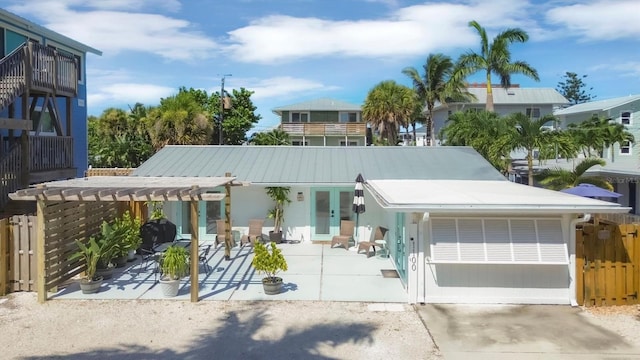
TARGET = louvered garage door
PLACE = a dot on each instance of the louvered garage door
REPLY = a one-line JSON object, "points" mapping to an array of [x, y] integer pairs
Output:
{"points": [[497, 260]]}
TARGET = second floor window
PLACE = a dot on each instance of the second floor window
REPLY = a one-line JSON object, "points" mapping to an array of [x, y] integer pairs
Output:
{"points": [[346, 117], [299, 117], [625, 148], [533, 113], [625, 118]]}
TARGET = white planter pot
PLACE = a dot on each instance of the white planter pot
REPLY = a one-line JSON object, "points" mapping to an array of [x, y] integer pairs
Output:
{"points": [[170, 288]]}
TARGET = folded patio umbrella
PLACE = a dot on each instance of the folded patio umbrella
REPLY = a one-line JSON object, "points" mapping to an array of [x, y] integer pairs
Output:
{"points": [[358, 200], [590, 190]]}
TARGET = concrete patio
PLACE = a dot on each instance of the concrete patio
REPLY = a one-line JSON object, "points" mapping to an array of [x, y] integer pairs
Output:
{"points": [[316, 272]]}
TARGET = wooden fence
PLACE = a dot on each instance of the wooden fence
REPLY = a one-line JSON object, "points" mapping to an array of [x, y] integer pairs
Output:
{"points": [[607, 264], [18, 259], [109, 171], [5, 254]]}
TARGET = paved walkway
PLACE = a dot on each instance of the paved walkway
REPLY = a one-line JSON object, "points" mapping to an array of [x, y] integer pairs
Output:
{"points": [[316, 272]]}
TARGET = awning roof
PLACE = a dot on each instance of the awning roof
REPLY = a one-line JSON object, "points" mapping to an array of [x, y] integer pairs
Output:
{"points": [[461, 196], [126, 188]]}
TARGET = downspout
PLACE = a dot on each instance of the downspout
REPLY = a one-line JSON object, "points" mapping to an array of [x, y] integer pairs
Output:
{"points": [[572, 256]]}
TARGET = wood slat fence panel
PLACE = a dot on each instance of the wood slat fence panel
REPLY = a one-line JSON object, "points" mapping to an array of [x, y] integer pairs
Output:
{"points": [[608, 264], [5, 255]]}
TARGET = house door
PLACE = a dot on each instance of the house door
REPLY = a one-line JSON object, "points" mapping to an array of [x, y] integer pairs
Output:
{"points": [[400, 253], [208, 213], [328, 207]]}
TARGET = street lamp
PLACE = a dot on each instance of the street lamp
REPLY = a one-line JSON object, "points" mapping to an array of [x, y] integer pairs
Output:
{"points": [[225, 103]]}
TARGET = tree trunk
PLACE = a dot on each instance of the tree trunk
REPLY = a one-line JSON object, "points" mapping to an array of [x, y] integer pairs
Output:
{"points": [[530, 166], [489, 105]]}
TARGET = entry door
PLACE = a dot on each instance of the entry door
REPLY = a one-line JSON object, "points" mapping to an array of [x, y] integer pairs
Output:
{"points": [[400, 253], [328, 207], [208, 213]]}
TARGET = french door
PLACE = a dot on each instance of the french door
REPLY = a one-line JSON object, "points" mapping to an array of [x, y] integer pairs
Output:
{"points": [[328, 207]]}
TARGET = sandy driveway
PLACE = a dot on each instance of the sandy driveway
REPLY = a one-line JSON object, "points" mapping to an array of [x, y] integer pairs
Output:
{"points": [[94, 329]]}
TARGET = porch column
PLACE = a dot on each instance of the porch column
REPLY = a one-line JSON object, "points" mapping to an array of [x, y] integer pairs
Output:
{"points": [[227, 220], [194, 250]]}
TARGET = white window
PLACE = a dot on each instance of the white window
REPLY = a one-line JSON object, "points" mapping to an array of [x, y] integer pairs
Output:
{"points": [[625, 148], [346, 117], [44, 125], [625, 118], [498, 241], [533, 113], [348, 143], [299, 143], [299, 117]]}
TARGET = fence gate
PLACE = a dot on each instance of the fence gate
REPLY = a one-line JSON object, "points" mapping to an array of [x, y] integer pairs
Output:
{"points": [[607, 260], [17, 254]]}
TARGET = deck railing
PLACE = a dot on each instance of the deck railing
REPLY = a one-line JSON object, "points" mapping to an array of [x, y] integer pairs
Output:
{"points": [[322, 129], [12, 76], [50, 153], [10, 176]]}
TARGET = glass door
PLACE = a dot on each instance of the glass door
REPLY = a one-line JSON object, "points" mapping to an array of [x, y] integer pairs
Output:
{"points": [[400, 253], [208, 213], [328, 207]]}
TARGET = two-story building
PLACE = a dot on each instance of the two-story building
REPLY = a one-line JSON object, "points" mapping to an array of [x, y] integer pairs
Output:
{"points": [[43, 108], [533, 102], [323, 122]]}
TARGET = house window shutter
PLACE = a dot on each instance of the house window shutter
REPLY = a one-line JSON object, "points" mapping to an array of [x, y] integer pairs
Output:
{"points": [[552, 245], [471, 240], [445, 240], [498, 240], [524, 240]]}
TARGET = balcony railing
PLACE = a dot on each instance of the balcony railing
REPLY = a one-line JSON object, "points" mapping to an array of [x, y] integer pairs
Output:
{"points": [[325, 129], [50, 153]]}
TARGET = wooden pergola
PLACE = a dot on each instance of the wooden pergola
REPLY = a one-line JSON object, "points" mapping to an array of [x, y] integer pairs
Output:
{"points": [[130, 188]]}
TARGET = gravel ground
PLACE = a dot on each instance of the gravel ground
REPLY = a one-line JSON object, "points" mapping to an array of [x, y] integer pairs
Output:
{"points": [[622, 320], [169, 329]]}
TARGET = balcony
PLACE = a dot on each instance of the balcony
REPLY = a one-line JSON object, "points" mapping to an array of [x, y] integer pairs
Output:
{"points": [[325, 129]]}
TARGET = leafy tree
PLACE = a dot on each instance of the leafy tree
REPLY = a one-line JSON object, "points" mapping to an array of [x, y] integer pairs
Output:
{"points": [[179, 120], [563, 146], [273, 137], [574, 88], [558, 178], [238, 120], [118, 139], [597, 134], [488, 133], [437, 84], [495, 57], [530, 135], [388, 107]]}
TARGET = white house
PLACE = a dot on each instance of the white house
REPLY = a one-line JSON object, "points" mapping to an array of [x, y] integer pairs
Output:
{"points": [[459, 231]]}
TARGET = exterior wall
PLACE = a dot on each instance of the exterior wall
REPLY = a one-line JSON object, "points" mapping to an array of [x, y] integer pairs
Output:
{"points": [[486, 283], [440, 116], [329, 140], [324, 117]]}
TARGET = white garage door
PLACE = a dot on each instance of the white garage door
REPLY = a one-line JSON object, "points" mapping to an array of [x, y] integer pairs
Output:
{"points": [[497, 260]]}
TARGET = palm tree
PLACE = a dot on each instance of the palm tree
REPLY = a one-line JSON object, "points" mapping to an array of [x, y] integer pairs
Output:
{"points": [[438, 84], [273, 137], [389, 106], [496, 58], [530, 134], [485, 131], [558, 179]]}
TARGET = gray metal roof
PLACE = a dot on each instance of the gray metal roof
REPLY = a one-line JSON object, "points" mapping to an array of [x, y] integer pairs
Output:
{"points": [[518, 96], [43, 31], [600, 105], [310, 165], [323, 104]]}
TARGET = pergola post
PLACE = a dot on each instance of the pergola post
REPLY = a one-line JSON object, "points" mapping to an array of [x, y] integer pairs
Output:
{"points": [[194, 251], [227, 219]]}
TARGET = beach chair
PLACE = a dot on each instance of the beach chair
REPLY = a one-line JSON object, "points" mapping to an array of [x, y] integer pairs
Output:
{"points": [[255, 232], [346, 234], [377, 235]]}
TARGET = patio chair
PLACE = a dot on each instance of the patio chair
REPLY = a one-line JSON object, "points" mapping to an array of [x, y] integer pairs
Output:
{"points": [[203, 258], [378, 234], [346, 234], [220, 233], [153, 234], [255, 232]]}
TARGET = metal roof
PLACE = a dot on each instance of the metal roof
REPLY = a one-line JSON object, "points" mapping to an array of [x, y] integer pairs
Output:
{"points": [[310, 165], [600, 105], [518, 96], [126, 188], [43, 31], [323, 104], [461, 196]]}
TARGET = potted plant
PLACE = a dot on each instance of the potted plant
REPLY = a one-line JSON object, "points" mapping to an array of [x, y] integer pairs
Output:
{"points": [[128, 228], [270, 263], [280, 195], [174, 264], [90, 253]]}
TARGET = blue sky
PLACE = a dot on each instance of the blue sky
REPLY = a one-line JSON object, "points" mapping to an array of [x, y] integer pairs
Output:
{"points": [[288, 51]]}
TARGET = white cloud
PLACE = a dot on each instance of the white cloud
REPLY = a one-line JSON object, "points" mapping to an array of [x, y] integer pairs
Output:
{"points": [[625, 69], [409, 31], [117, 31], [282, 87], [599, 20], [128, 93]]}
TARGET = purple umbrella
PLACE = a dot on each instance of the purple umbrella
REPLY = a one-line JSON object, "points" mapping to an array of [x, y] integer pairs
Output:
{"points": [[590, 190]]}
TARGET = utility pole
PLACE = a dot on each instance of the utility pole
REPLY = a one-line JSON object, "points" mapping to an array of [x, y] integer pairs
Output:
{"points": [[221, 117]]}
